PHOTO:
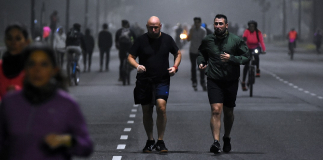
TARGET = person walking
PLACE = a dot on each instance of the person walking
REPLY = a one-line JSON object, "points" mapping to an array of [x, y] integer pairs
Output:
{"points": [[42, 121], [124, 39], [222, 53], [196, 35], [11, 65], [153, 78], [105, 44], [87, 55], [59, 46]]}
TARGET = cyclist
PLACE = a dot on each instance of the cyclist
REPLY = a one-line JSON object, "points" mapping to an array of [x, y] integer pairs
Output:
{"points": [[292, 36], [254, 39], [75, 43]]}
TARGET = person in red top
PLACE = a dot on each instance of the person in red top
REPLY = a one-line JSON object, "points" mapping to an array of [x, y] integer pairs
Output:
{"points": [[292, 36], [11, 65], [254, 39]]}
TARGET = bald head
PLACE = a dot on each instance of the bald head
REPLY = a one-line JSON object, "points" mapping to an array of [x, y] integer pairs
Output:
{"points": [[153, 27], [153, 21]]}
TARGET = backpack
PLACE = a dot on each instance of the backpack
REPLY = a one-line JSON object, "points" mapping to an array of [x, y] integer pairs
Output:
{"points": [[73, 37], [125, 39]]}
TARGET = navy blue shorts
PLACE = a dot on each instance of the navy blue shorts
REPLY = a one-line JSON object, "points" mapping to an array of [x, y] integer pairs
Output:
{"points": [[222, 92], [147, 91]]}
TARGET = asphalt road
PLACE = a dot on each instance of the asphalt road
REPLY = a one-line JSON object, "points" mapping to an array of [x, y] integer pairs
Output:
{"points": [[282, 121]]}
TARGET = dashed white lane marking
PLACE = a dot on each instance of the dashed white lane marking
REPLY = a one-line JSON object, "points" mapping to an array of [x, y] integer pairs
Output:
{"points": [[294, 86], [132, 115], [124, 137], [134, 110], [121, 146], [116, 157], [136, 105], [130, 122], [127, 130]]}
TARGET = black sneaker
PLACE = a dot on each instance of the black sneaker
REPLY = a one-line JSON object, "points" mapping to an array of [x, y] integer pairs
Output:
{"points": [[226, 144], [149, 146], [194, 85], [215, 147], [160, 146]]}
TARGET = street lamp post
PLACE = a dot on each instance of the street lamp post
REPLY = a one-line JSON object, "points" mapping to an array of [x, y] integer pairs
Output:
{"points": [[32, 22], [67, 15], [86, 13]]}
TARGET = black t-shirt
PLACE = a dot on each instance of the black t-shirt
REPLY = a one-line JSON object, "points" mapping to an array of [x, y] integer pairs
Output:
{"points": [[154, 55]]}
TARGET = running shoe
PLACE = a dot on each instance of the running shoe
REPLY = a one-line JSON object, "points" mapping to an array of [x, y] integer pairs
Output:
{"points": [[160, 146], [215, 147], [149, 146], [243, 85], [194, 85], [258, 73], [226, 144]]}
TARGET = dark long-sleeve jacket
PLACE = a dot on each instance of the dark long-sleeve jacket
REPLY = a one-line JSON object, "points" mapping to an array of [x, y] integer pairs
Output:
{"points": [[89, 43], [23, 126], [212, 47], [105, 40]]}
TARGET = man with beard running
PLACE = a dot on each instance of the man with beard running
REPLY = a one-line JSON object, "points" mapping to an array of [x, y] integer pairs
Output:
{"points": [[222, 53], [153, 78]]}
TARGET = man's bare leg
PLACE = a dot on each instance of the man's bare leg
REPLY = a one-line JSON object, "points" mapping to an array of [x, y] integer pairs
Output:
{"points": [[161, 118], [228, 120], [147, 111], [215, 122]]}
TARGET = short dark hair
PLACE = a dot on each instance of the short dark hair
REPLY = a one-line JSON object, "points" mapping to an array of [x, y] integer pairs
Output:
{"points": [[124, 23], [219, 16], [77, 26], [18, 26], [105, 26], [197, 19]]}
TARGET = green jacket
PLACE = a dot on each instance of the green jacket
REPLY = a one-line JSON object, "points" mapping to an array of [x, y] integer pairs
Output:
{"points": [[212, 47]]}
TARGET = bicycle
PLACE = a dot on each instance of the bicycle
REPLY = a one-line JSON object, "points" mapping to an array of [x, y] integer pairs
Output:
{"points": [[73, 68], [252, 71]]}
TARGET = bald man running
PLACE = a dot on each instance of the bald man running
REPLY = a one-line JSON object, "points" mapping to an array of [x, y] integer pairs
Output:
{"points": [[153, 78]]}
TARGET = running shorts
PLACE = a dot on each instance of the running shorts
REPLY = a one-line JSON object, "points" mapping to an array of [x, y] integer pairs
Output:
{"points": [[147, 91], [222, 92]]}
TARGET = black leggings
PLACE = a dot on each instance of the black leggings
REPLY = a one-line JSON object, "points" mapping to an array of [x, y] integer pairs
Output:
{"points": [[193, 58], [87, 55], [246, 66], [107, 58]]}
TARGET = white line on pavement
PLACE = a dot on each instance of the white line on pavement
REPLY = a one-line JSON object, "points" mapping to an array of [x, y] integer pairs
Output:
{"points": [[130, 122], [127, 130], [292, 85], [134, 110], [132, 115], [124, 137], [136, 105], [116, 157], [121, 146]]}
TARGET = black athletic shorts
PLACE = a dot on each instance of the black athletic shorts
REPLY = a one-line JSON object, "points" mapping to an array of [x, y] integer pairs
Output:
{"points": [[222, 92], [147, 91]]}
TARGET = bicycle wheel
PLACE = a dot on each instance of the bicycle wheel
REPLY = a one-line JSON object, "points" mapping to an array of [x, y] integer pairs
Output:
{"points": [[251, 79], [70, 74], [77, 76], [292, 53]]}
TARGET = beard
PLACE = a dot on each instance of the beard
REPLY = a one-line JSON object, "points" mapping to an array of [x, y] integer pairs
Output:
{"points": [[154, 35], [219, 32]]}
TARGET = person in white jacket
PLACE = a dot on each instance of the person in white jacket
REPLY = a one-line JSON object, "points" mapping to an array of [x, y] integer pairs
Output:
{"points": [[59, 45]]}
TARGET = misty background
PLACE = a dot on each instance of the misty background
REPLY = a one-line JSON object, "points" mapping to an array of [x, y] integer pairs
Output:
{"points": [[268, 13]]}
